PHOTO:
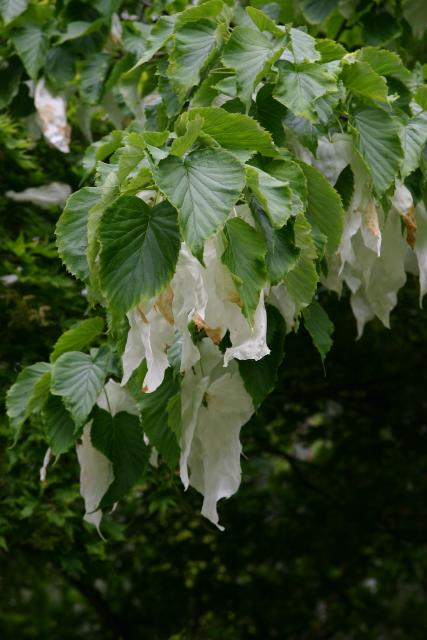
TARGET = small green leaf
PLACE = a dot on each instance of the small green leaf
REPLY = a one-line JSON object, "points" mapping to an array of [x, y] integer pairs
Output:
{"points": [[244, 256], [139, 250], [31, 42], [251, 54], [78, 378], [71, 231], [274, 195], [28, 394], [60, 427], [203, 187], [302, 280], [299, 86], [324, 208], [378, 141], [364, 82], [319, 326], [78, 337], [183, 143], [120, 438]]}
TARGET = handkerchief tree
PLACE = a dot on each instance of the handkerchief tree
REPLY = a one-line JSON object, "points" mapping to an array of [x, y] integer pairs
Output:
{"points": [[254, 166]]}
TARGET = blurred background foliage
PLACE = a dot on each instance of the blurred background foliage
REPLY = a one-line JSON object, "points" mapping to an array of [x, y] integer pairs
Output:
{"points": [[327, 537]]}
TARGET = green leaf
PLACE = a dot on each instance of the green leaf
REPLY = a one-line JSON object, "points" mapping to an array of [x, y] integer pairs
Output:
{"points": [[244, 256], [361, 80], [11, 9], [121, 440], [274, 195], [345, 186], [316, 11], [28, 394], [234, 131], [299, 86], [92, 76], [282, 254], [415, 12], [378, 141], [31, 43], [10, 78], [420, 96], [302, 280], [183, 143], [260, 377], [78, 337], [324, 208], [60, 427], [303, 47], [209, 9], [78, 378], [203, 187], [250, 54], [158, 416], [195, 43], [385, 63], [139, 250], [80, 28], [71, 231], [160, 34], [264, 22], [320, 328], [413, 137]]}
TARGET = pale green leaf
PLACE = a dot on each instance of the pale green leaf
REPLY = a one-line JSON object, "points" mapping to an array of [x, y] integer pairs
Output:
{"points": [[78, 378], [364, 82], [139, 250], [28, 394], [244, 256], [11, 9], [71, 231], [324, 207], [379, 144], [251, 54], [299, 86], [303, 47], [78, 337], [203, 187]]}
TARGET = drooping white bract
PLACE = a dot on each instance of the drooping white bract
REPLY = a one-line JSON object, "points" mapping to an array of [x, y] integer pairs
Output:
{"points": [[52, 114], [96, 470], [215, 405], [203, 294], [420, 246]]}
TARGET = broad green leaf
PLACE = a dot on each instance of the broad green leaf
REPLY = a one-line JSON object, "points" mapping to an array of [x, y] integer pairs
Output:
{"points": [[195, 43], [302, 280], [244, 256], [317, 11], [157, 417], [324, 208], [92, 76], [299, 86], [260, 377], [59, 425], [282, 254], [385, 63], [364, 82], [303, 47], [71, 231], [203, 187], [80, 336], [120, 438], [139, 250], [234, 131], [11, 9], [31, 42], [251, 54], [184, 142], [378, 140], [28, 394], [274, 195], [78, 378], [319, 326], [413, 137]]}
